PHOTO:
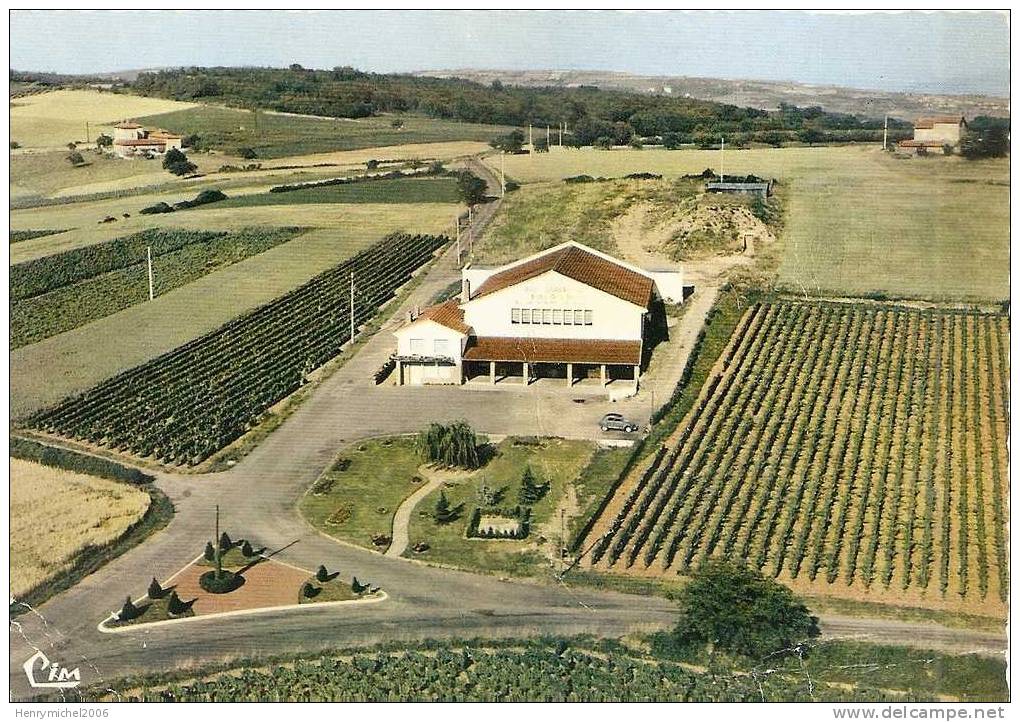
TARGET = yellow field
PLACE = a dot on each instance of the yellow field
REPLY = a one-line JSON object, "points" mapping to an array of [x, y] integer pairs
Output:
{"points": [[858, 220], [56, 514], [52, 120], [46, 372]]}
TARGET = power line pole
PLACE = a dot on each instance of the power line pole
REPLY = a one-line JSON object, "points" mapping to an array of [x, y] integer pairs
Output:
{"points": [[561, 134], [502, 176], [219, 554], [548, 142], [352, 307], [722, 151], [87, 137], [885, 133], [148, 256], [531, 142], [456, 222]]}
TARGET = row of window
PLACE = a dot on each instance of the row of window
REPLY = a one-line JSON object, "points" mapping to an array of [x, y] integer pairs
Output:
{"points": [[440, 347], [551, 316]]}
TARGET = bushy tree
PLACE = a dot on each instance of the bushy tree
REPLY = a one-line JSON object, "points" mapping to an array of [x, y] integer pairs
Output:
{"points": [[104, 141], [810, 136], [509, 142], [990, 142], [175, 606], [357, 587], [225, 543], [177, 163], [246, 549], [321, 573], [210, 552], [247, 153], [471, 188], [75, 158], [604, 142], [732, 607], [452, 445], [444, 513]]}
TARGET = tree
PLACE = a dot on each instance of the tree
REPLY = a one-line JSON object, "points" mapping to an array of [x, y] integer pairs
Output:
{"points": [[128, 611], [444, 513], [155, 590], [246, 549], [453, 445], [357, 587], [396, 124], [636, 143], [541, 145], [530, 491], [509, 142], [15, 145], [604, 142], [321, 574], [225, 543], [75, 158], [773, 138], [210, 552], [177, 163], [104, 141], [471, 188], [810, 136], [175, 606], [732, 607], [991, 142], [672, 141], [247, 153]]}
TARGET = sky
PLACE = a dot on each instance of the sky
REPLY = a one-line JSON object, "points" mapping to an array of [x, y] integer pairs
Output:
{"points": [[938, 52]]}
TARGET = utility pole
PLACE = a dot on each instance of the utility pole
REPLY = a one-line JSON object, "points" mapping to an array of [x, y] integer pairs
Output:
{"points": [[352, 307], [531, 142], [722, 151], [148, 256], [885, 133], [219, 556], [456, 222], [548, 141], [561, 134], [502, 176], [87, 137]]}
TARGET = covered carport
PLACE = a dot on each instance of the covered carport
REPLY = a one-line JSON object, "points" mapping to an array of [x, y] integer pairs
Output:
{"points": [[572, 360]]}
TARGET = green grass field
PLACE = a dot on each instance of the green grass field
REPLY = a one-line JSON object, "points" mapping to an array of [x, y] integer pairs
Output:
{"points": [[278, 135], [858, 221], [396, 190]]}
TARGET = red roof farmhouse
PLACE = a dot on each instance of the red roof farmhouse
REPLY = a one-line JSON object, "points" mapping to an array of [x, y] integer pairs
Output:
{"points": [[934, 134], [570, 312], [132, 140]]}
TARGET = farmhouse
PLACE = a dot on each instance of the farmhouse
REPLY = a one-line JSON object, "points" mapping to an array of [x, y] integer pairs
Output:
{"points": [[935, 134], [130, 140], [570, 312]]}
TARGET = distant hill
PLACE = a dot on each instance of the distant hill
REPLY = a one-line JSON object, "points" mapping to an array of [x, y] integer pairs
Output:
{"points": [[762, 94]]}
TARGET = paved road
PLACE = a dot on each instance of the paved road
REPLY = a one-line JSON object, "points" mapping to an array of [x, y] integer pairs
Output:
{"points": [[258, 501]]}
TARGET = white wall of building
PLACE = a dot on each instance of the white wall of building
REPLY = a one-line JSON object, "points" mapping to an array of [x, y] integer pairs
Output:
{"points": [[942, 132], [612, 317], [428, 338]]}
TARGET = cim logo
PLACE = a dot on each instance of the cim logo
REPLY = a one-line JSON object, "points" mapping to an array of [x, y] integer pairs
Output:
{"points": [[56, 676]]}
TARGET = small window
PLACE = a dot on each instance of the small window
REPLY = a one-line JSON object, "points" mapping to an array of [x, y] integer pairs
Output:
{"points": [[547, 316], [441, 346], [587, 318], [558, 316], [525, 315], [578, 317], [417, 345], [568, 317], [515, 315]]}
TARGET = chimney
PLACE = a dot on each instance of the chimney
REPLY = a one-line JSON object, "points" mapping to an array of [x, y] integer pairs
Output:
{"points": [[465, 290]]}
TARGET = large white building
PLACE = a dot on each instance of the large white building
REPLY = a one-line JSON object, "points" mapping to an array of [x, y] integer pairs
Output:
{"points": [[570, 312]]}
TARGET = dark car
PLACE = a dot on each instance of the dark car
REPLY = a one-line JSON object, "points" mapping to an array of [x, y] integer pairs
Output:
{"points": [[616, 422]]}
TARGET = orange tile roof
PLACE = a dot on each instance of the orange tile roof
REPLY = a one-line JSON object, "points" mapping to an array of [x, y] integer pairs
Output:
{"points": [[553, 350], [580, 265], [141, 141], [934, 120], [128, 126], [447, 314]]}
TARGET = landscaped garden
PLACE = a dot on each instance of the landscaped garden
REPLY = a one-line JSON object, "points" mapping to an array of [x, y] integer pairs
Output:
{"points": [[234, 576], [500, 507]]}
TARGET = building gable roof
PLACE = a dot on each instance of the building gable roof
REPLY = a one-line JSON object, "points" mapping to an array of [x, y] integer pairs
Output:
{"points": [[932, 121], [580, 265], [448, 314]]}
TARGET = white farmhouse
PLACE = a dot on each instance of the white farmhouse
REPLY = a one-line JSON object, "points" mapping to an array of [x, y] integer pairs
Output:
{"points": [[570, 312], [130, 140], [935, 134]]}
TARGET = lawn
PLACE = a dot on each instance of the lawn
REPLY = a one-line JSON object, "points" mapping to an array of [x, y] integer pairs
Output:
{"points": [[396, 190], [276, 135], [57, 516], [858, 221], [356, 497], [556, 461], [54, 119], [46, 372]]}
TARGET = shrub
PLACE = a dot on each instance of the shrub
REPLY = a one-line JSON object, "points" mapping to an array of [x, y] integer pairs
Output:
{"points": [[210, 552], [357, 587], [75, 158], [128, 611], [155, 591], [73, 461], [733, 607], [177, 163], [226, 582], [308, 590], [225, 543], [246, 549], [160, 207], [579, 179], [321, 573], [531, 491], [444, 513], [175, 606], [247, 153]]}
